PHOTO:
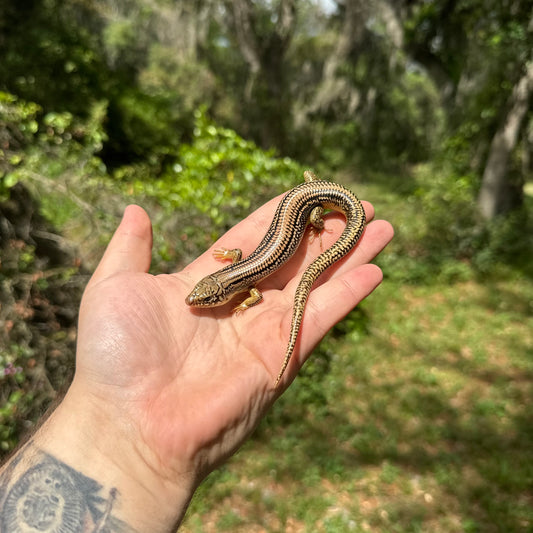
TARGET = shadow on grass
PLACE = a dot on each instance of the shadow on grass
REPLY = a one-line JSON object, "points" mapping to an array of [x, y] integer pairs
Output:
{"points": [[477, 450]]}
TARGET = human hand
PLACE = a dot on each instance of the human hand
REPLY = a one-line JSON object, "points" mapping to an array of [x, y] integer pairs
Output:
{"points": [[176, 389]]}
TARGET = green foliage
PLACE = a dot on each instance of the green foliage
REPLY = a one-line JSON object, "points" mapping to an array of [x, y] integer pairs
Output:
{"points": [[50, 54], [507, 241], [479, 48], [216, 174], [124, 40], [144, 128], [58, 152], [411, 122], [78, 59], [26, 129], [38, 305], [394, 116], [454, 231], [10, 409], [207, 187], [452, 222], [186, 84], [54, 155], [402, 401], [18, 125]]}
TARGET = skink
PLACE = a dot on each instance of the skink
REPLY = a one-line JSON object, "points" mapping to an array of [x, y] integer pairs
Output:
{"points": [[302, 205]]}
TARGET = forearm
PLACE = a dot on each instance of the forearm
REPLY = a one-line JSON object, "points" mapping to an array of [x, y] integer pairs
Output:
{"points": [[79, 474]]}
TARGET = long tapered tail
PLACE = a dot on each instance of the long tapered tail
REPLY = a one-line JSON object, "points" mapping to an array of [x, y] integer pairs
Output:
{"points": [[351, 234], [300, 299]]}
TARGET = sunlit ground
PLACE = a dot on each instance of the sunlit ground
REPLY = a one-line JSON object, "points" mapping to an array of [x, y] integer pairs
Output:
{"points": [[423, 422]]}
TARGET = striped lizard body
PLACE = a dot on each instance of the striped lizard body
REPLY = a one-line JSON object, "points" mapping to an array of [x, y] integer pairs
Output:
{"points": [[302, 205]]}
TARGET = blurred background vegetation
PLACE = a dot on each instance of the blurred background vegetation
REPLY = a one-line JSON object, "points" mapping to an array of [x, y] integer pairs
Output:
{"points": [[414, 414]]}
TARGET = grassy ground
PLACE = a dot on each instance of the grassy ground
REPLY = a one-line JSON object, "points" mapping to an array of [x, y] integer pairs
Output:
{"points": [[413, 416], [421, 423]]}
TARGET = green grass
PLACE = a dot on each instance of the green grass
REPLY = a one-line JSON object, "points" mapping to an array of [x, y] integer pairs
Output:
{"points": [[420, 420], [427, 426]]}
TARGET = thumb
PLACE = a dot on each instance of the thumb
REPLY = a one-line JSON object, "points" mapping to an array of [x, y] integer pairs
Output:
{"points": [[130, 249]]}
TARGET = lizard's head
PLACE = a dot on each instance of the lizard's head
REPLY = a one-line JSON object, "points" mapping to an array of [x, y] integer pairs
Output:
{"points": [[208, 292]]}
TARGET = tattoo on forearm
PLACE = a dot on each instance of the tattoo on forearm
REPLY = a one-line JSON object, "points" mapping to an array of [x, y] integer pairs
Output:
{"points": [[51, 497]]}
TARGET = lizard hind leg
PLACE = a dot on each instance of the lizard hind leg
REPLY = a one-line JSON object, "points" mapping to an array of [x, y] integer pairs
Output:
{"points": [[310, 176], [254, 298], [317, 225], [316, 217]]}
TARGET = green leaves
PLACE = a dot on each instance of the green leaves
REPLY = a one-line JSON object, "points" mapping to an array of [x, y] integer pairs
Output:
{"points": [[220, 175]]}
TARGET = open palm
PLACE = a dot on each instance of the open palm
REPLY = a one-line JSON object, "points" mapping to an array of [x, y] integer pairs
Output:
{"points": [[189, 385]]}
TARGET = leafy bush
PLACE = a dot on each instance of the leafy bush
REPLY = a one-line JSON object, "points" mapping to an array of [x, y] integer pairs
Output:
{"points": [[447, 201], [18, 125], [214, 174], [40, 290], [453, 240], [46, 143], [507, 241], [214, 182]]}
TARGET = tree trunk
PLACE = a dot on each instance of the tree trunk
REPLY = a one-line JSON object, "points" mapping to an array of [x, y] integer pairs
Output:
{"points": [[498, 194], [333, 87], [266, 91]]}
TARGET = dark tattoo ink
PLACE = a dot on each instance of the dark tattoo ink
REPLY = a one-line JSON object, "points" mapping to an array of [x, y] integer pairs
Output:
{"points": [[51, 497]]}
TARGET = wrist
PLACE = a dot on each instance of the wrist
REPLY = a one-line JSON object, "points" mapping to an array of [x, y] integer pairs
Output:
{"points": [[95, 465]]}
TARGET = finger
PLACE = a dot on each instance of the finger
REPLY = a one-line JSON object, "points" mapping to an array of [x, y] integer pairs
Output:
{"points": [[326, 306], [375, 237], [130, 248]]}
